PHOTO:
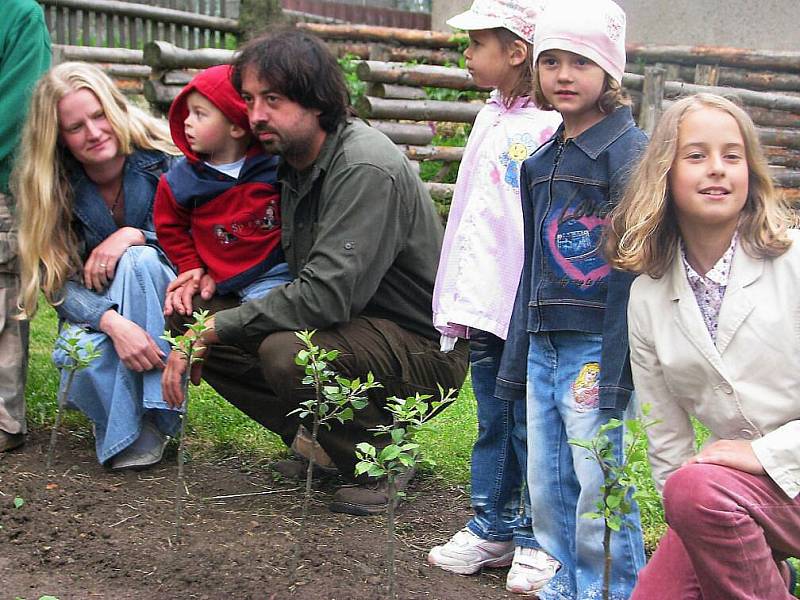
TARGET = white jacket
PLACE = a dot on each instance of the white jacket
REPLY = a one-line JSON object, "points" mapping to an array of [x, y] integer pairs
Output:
{"points": [[747, 387]]}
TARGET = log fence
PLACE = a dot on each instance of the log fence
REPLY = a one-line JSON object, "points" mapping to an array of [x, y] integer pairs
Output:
{"points": [[125, 24]]}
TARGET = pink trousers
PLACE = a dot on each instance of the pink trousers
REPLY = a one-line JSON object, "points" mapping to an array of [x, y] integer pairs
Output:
{"points": [[728, 533]]}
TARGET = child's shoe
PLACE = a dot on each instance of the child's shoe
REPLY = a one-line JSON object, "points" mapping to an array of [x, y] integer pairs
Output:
{"points": [[466, 553], [530, 571]]}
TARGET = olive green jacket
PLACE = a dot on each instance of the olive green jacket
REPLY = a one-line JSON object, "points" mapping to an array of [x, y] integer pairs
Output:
{"points": [[361, 236]]}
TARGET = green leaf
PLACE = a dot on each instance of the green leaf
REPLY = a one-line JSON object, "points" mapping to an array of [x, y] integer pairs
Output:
{"points": [[18, 502], [389, 453]]}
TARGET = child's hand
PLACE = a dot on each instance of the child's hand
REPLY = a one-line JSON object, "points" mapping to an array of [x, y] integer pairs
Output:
{"points": [[181, 291], [736, 454], [191, 276]]}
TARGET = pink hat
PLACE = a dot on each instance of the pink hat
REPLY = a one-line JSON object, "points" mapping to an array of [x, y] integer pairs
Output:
{"points": [[518, 16], [592, 28]]}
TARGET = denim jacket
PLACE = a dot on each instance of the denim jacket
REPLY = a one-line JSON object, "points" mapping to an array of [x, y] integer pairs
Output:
{"points": [[568, 188], [93, 223]]}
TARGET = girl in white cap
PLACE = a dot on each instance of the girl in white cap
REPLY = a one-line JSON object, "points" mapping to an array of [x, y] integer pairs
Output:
{"points": [[475, 287], [567, 345]]}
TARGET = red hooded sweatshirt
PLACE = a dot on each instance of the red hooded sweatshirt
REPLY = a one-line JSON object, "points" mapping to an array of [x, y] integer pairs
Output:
{"points": [[204, 218]]}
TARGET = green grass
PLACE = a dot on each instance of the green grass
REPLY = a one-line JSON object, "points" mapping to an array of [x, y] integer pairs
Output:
{"points": [[217, 429]]}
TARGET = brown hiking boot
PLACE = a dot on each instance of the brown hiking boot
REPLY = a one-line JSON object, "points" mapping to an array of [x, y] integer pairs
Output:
{"points": [[9, 441], [307, 448], [295, 467], [367, 499]]}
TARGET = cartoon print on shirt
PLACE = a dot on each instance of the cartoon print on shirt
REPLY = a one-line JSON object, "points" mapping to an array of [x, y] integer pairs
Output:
{"points": [[520, 147], [223, 236]]}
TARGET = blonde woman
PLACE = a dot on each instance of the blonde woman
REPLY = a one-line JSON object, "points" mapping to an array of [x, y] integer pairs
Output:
{"points": [[713, 326], [84, 183]]}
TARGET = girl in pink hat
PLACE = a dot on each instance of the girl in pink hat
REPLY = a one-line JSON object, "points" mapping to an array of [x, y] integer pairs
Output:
{"points": [[567, 346], [476, 283]]}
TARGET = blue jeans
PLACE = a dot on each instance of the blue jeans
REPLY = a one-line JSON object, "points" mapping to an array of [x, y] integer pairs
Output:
{"points": [[112, 396], [499, 498], [277, 275], [563, 378]]}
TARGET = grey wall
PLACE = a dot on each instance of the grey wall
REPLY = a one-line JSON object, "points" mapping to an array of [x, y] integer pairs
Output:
{"points": [[764, 24]]}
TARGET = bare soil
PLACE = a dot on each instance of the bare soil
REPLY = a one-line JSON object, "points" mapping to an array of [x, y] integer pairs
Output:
{"points": [[85, 532]]}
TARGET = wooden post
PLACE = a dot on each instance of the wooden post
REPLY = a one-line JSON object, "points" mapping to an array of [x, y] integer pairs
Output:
{"points": [[652, 98], [706, 74]]}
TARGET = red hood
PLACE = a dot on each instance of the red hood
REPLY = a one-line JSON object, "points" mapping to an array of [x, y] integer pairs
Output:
{"points": [[215, 84]]}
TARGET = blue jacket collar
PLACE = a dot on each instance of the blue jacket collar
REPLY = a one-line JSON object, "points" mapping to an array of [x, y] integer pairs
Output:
{"points": [[600, 136]]}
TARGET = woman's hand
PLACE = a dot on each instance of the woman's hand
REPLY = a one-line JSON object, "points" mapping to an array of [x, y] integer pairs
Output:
{"points": [[736, 454], [134, 346], [99, 268], [180, 293]]}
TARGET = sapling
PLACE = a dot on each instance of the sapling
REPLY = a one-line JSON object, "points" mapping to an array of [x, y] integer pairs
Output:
{"points": [[617, 493], [78, 358], [335, 398], [187, 345], [402, 454]]}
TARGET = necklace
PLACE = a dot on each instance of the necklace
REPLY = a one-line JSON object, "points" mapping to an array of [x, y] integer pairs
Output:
{"points": [[117, 198]]}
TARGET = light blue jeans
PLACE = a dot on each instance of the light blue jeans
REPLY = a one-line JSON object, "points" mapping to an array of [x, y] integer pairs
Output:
{"points": [[499, 497], [112, 396], [564, 481], [277, 275]]}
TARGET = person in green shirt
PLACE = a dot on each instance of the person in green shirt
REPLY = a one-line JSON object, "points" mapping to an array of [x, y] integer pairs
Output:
{"points": [[362, 239], [24, 56]]}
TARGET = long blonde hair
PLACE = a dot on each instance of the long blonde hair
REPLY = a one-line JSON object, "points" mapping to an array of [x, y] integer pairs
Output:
{"points": [[48, 246], [643, 233]]}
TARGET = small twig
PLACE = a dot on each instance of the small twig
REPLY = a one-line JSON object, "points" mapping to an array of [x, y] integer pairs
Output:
{"points": [[263, 493], [125, 519]]}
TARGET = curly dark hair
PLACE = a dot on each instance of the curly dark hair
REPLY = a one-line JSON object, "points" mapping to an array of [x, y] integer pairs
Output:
{"points": [[299, 66]]}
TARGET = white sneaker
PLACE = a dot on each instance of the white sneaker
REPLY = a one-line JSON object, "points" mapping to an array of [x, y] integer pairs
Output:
{"points": [[530, 571], [466, 553]]}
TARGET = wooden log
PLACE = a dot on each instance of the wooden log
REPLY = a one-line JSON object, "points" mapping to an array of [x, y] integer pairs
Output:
{"points": [[792, 195], [732, 77], [706, 74], [342, 49], [159, 94], [417, 134], [125, 71], [428, 56], [782, 157], [443, 153], [63, 53], [163, 55], [419, 75], [773, 118], [676, 89], [143, 11], [390, 90], [371, 33], [725, 56], [652, 98], [177, 77], [785, 178], [417, 110], [788, 138]]}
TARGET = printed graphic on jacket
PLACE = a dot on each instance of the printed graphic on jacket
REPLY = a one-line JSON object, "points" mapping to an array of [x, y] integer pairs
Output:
{"points": [[574, 238]]}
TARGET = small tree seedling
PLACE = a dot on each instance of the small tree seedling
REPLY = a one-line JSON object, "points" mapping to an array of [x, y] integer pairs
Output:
{"points": [[335, 399], [188, 346], [409, 416], [616, 497], [78, 358]]}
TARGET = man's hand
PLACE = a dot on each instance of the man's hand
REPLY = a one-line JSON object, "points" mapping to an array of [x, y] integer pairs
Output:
{"points": [[99, 268], [172, 378], [134, 346], [736, 454], [180, 292]]}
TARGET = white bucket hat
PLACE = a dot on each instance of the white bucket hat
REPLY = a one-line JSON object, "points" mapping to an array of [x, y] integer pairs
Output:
{"points": [[518, 16]]}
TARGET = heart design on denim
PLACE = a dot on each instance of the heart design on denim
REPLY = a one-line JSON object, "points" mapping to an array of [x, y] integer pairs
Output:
{"points": [[575, 247]]}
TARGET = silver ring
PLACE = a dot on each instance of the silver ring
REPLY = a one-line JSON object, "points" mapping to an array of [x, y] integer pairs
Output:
{"points": [[103, 265]]}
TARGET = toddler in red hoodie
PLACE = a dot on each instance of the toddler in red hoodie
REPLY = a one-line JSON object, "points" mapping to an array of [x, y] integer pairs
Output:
{"points": [[217, 210]]}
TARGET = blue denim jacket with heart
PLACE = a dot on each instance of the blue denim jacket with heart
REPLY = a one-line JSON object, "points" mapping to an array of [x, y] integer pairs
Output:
{"points": [[568, 188], [93, 223]]}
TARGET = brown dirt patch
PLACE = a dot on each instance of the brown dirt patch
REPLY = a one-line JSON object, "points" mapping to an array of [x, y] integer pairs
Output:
{"points": [[85, 532]]}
